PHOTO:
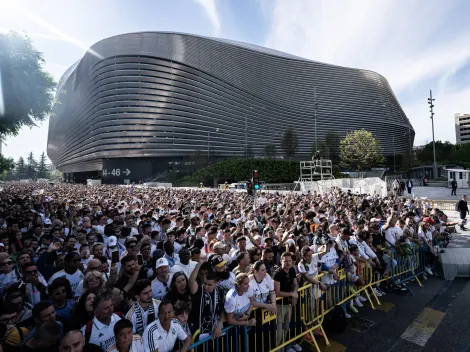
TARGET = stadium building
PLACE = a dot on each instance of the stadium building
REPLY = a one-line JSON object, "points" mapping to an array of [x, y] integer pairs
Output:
{"points": [[143, 104]]}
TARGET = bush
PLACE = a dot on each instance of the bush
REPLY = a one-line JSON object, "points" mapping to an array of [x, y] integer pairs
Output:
{"points": [[234, 170]]}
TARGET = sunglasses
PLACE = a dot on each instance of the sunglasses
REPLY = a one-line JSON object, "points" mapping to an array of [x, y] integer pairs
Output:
{"points": [[9, 262], [59, 292]]}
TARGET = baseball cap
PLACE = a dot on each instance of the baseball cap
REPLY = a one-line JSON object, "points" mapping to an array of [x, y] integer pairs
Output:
{"points": [[218, 261], [429, 220], [47, 222], [161, 262], [374, 220], [112, 241], [218, 245]]}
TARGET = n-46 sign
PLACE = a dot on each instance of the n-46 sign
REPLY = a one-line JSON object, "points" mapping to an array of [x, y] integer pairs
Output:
{"points": [[116, 172]]}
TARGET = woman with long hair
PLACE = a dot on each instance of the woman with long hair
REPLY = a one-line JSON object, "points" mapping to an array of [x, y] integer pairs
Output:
{"points": [[84, 309], [179, 290], [263, 287]]}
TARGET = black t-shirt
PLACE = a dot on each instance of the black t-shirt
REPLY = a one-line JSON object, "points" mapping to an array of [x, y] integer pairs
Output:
{"points": [[286, 281], [174, 296], [206, 309]]}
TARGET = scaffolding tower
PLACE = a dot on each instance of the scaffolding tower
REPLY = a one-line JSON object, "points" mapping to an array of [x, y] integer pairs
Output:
{"points": [[315, 170]]}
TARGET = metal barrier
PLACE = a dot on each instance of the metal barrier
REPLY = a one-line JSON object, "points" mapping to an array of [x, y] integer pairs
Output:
{"points": [[304, 320]]}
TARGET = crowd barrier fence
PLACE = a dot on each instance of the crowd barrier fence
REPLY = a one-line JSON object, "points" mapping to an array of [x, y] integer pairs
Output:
{"points": [[304, 320]]}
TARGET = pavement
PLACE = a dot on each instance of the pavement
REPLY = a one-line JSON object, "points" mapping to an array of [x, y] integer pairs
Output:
{"points": [[435, 319], [437, 193]]}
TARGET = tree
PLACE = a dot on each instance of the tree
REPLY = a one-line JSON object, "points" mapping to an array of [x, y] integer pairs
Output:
{"points": [[31, 166], [28, 90], [270, 151], [359, 150], [290, 142], [41, 168], [329, 147], [20, 167], [6, 164]]}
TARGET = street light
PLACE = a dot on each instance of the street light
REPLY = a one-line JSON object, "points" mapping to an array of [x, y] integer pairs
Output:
{"points": [[208, 144], [431, 105]]}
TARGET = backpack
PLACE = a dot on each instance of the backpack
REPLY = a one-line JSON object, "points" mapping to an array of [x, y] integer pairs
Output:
{"points": [[89, 327], [457, 207], [335, 321]]}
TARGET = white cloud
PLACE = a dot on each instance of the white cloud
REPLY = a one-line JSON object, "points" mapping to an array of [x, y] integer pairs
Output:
{"points": [[415, 47], [210, 8]]}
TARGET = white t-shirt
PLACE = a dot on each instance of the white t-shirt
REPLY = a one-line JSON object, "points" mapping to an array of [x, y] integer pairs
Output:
{"points": [[33, 293], [424, 236], [311, 269], [160, 289], [155, 337], [186, 269], [329, 259], [393, 234], [137, 345], [102, 335], [236, 304], [262, 290], [227, 284], [74, 278]]}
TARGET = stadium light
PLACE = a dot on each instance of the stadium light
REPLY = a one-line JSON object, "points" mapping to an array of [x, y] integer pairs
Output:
{"points": [[431, 106]]}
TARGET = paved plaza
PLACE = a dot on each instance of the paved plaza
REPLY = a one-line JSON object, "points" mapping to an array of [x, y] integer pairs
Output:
{"points": [[437, 193]]}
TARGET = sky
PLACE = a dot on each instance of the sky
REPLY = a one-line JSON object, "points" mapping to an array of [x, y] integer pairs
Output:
{"points": [[416, 45]]}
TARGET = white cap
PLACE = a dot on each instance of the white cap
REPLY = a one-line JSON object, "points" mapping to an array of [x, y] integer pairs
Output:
{"points": [[47, 222], [161, 262], [112, 241]]}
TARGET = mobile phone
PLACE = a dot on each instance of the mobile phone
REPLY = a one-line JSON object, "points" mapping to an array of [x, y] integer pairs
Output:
{"points": [[115, 257], [140, 259]]}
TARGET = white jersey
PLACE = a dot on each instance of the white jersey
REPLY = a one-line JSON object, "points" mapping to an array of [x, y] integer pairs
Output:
{"points": [[160, 289], [156, 338], [236, 304], [102, 335], [227, 284], [33, 295], [311, 269], [186, 269], [329, 259], [263, 289], [137, 345], [74, 278]]}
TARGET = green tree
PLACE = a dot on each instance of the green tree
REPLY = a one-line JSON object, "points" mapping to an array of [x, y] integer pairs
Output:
{"points": [[290, 143], [28, 90], [6, 164], [31, 166], [359, 151], [270, 151], [41, 168], [20, 167]]}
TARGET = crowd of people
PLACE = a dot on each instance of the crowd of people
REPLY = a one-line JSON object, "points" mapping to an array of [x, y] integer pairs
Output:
{"points": [[112, 268]]}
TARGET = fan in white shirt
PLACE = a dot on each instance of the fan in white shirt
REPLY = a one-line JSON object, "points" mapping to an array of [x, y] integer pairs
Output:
{"points": [[70, 271], [145, 309], [262, 286], [161, 335], [125, 340], [239, 302], [99, 331], [161, 284], [185, 264]]}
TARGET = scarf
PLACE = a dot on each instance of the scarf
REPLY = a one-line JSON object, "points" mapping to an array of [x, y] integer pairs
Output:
{"points": [[139, 321]]}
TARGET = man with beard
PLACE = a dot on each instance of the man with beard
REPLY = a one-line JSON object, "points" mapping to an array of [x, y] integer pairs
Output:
{"points": [[185, 264], [268, 260], [161, 284], [130, 275], [85, 256], [143, 312], [225, 278], [169, 249]]}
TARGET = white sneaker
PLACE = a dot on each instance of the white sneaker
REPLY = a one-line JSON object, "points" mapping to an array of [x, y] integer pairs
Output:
{"points": [[377, 293], [362, 299], [428, 270], [291, 350], [347, 315], [296, 347], [357, 302]]}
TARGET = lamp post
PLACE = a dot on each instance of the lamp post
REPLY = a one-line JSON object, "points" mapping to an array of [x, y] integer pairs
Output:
{"points": [[394, 168], [431, 105], [315, 108]]}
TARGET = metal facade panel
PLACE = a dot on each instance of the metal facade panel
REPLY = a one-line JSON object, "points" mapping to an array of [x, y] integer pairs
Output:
{"points": [[166, 94]]}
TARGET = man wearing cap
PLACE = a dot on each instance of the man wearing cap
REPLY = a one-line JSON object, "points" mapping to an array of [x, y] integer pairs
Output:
{"points": [[161, 284], [241, 243], [226, 279]]}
